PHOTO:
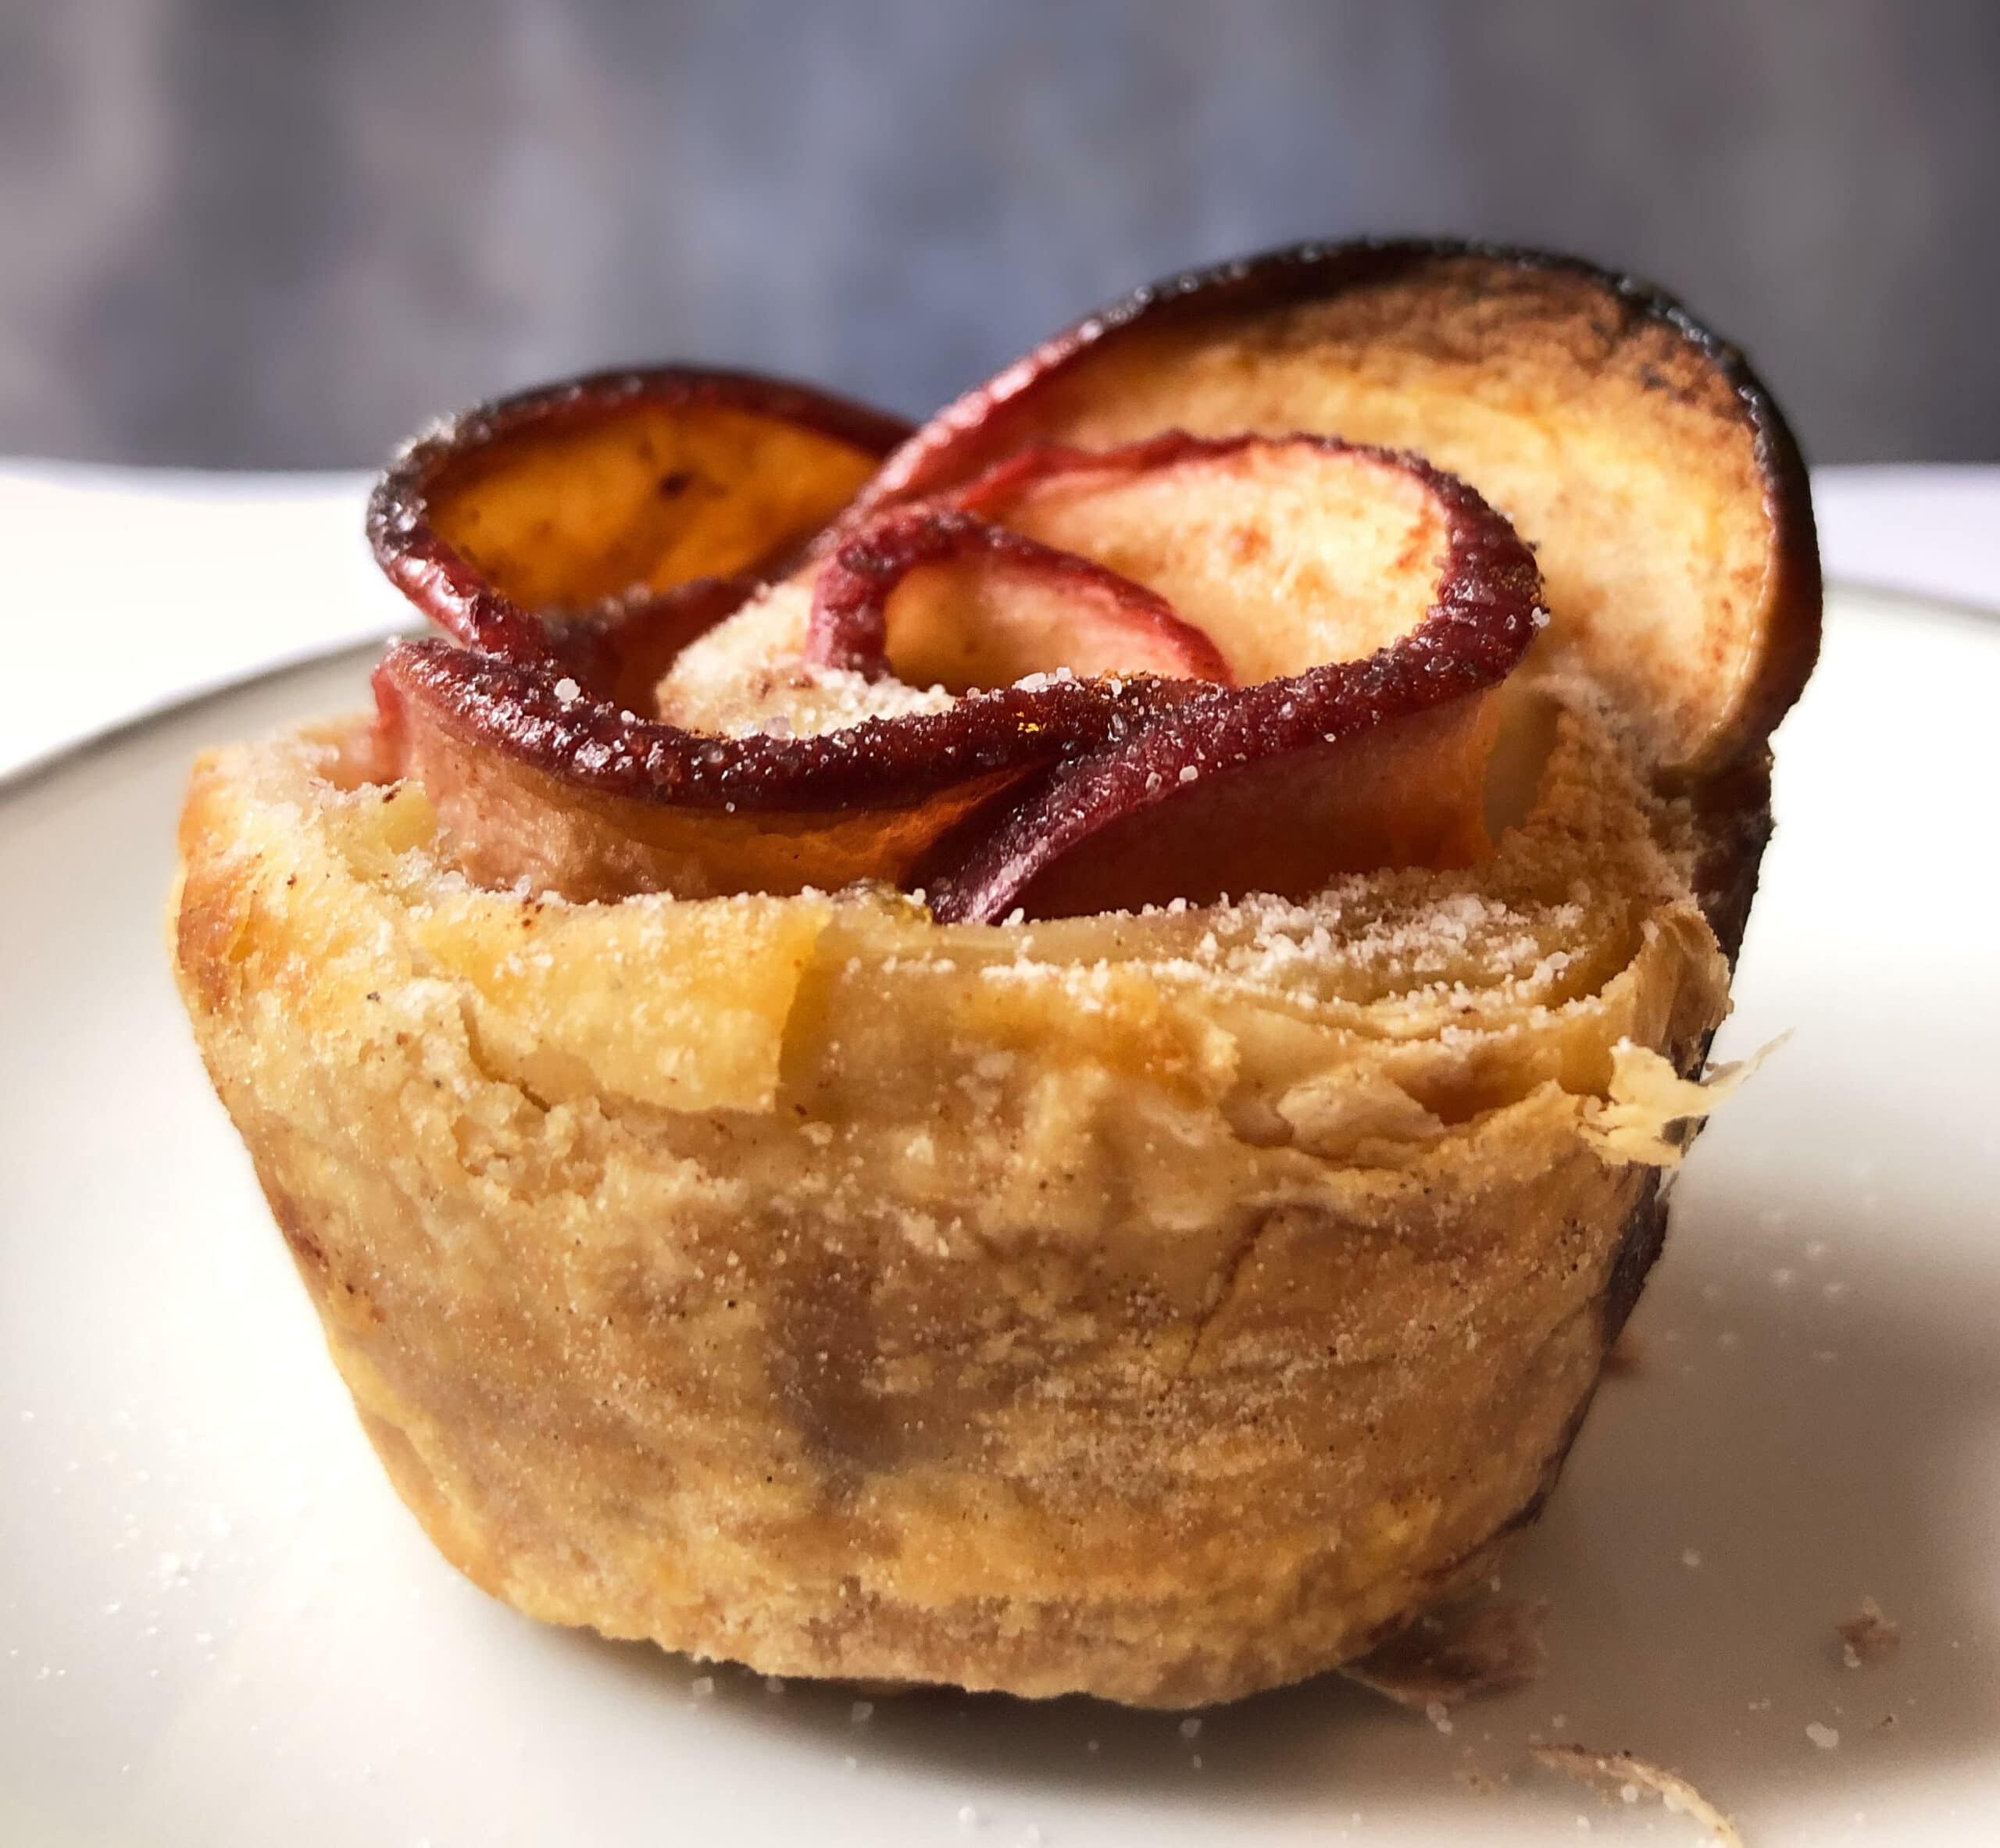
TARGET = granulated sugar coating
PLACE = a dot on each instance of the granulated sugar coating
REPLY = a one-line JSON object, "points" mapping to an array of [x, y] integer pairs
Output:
{"points": [[752, 673]]}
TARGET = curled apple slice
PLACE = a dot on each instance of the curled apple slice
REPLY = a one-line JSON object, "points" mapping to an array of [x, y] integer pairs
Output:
{"points": [[534, 780], [530, 788], [1383, 601], [568, 502], [941, 597], [1285, 553], [1637, 453], [577, 538]]}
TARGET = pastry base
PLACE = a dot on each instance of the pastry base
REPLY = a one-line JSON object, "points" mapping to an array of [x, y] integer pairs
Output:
{"points": [[1160, 1308]]}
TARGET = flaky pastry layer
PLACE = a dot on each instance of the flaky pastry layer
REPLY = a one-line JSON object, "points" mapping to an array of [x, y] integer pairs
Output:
{"points": [[1162, 1306]]}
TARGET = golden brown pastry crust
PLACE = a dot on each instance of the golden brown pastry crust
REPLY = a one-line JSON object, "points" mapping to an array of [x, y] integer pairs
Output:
{"points": [[1162, 1307]]}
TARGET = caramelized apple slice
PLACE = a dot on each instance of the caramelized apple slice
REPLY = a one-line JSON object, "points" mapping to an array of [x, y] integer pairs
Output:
{"points": [[619, 486], [1638, 454], [1230, 560], [940, 598], [1410, 601], [1285, 553], [1274, 812], [532, 779], [576, 539]]}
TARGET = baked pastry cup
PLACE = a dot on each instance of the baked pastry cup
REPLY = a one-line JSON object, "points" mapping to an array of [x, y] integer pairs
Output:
{"points": [[1045, 1064]]}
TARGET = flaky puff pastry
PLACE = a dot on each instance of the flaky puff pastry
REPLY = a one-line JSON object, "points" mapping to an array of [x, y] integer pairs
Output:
{"points": [[1163, 1302]]}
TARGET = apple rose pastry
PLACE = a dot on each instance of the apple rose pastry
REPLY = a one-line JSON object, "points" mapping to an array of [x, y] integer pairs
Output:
{"points": [[1038, 1054]]}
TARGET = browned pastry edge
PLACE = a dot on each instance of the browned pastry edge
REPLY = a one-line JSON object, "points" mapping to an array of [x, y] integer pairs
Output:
{"points": [[1736, 823]]}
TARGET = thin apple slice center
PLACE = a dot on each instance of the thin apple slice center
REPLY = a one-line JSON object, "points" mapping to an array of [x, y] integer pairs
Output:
{"points": [[938, 597], [1284, 553]]}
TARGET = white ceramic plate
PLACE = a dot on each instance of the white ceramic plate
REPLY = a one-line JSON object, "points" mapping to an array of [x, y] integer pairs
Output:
{"points": [[218, 1627]]}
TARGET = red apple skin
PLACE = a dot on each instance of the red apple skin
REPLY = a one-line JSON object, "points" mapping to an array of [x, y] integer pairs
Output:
{"points": [[1126, 628]]}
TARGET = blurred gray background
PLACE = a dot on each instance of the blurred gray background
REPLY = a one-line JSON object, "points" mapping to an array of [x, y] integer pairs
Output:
{"points": [[275, 233]]}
